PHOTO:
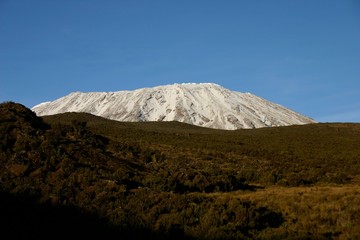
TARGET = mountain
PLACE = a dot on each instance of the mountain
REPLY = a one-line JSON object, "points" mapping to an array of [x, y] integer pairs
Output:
{"points": [[206, 104]]}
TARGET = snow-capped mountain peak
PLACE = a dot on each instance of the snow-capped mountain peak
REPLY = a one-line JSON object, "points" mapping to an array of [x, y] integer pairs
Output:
{"points": [[204, 104]]}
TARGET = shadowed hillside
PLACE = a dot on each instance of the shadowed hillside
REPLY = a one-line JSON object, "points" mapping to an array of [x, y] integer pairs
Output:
{"points": [[165, 180], [51, 173]]}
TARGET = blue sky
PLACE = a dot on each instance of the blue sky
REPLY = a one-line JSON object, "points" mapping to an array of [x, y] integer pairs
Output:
{"points": [[302, 54]]}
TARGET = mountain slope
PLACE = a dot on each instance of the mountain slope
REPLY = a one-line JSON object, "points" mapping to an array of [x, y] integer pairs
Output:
{"points": [[207, 105], [67, 180], [79, 174]]}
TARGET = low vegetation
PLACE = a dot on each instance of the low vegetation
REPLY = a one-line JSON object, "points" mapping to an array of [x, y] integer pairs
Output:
{"points": [[165, 180]]}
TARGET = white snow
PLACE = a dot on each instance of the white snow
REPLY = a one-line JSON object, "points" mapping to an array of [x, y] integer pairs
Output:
{"points": [[205, 104], [41, 104]]}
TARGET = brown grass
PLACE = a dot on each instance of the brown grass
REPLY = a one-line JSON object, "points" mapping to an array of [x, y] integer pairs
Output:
{"points": [[328, 212], [176, 179]]}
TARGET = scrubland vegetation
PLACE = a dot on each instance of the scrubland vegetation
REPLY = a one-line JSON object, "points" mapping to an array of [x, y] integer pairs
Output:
{"points": [[70, 171]]}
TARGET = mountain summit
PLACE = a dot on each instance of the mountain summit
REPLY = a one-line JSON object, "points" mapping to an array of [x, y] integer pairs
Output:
{"points": [[205, 104]]}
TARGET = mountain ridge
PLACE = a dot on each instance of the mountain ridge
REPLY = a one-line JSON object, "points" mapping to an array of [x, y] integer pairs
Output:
{"points": [[206, 104]]}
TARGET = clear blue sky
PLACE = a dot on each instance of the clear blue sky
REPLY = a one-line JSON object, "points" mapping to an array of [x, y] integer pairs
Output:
{"points": [[302, 54]]}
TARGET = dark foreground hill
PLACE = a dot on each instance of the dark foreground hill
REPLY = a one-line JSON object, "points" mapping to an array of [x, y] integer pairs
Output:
{"points": [[77, 175]]}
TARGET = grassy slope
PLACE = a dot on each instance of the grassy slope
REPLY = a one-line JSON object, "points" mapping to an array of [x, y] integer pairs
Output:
{"points": [[320, 163], [311, 173], [288, 182], [289, 156], [328, 211]]}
